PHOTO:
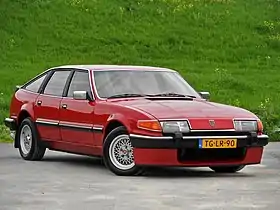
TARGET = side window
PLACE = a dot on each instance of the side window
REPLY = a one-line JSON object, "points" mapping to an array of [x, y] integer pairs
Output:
{"points": [[56, 83], [80, 81], [35, 85]]}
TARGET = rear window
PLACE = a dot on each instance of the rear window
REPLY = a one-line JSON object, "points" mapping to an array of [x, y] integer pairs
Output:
{"points": [[36, 84]]}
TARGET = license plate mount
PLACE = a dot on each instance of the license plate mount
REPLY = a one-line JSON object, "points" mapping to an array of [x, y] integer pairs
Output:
{"points": [[217, 143]]}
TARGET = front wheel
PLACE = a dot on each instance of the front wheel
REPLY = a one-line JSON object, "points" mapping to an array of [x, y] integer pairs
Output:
{"points": [[227, 169], [118, 153]]}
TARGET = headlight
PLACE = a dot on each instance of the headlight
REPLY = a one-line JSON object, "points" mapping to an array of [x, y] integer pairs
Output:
{"points": [[245, 125], [174, 126]]}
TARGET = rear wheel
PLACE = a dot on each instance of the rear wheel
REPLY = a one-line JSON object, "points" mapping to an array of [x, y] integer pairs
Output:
{"points": [[29, 142], [227, 169], [118, 153]]}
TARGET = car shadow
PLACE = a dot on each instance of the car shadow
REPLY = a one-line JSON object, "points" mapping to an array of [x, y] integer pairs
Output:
{"points": [[76, 160], [149, 172], [202, 172]]}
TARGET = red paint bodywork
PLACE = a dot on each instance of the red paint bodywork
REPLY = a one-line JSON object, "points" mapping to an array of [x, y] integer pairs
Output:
{"points": [[49, 111], [101, 113], [168, 157]]}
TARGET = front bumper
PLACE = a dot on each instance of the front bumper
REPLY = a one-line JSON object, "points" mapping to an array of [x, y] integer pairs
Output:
{"points": [[10, 123], [185, 151], [165, 142]]}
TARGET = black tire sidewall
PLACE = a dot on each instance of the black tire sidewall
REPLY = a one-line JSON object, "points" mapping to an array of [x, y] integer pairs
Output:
{"points": [[107, 161], [34, 142]]}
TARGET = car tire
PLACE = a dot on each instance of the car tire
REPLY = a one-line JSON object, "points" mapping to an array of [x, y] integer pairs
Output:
{"points": [[227, 169], [29, 142], [118, 153]]}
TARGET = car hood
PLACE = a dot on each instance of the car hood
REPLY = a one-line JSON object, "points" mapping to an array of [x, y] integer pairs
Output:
{"points": [[197, 111]]}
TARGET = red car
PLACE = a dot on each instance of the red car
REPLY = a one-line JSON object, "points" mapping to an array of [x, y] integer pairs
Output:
{"points": [[132, 117]]}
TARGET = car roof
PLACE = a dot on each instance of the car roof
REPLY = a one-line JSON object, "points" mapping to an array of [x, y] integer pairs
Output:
{"points": [[113, 67]]}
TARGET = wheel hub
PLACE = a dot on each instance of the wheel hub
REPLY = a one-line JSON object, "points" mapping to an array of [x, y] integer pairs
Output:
{"points": [[26, 139]]}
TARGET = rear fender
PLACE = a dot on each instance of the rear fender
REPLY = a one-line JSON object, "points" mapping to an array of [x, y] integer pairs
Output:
{"points": [[25, 111]]}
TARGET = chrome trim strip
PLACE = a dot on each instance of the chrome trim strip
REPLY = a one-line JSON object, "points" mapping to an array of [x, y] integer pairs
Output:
{"points": [[263, 136], [69, 125], [97, 128], [189, 137], [94, 86], [196, 137], [75, 126], [10, 123], [93, 91], [40, 121], [215, 137], [172, 119], [9, 120], [150, 137]]}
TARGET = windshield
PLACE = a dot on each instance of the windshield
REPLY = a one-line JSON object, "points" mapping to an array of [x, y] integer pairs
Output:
{"points": [[110, 83]]}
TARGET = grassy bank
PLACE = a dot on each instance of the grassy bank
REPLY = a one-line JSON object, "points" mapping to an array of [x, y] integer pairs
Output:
{"points": [[228, 47]]}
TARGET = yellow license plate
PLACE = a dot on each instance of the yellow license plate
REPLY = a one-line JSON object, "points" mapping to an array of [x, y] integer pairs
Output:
{"points": [[217, 143]]}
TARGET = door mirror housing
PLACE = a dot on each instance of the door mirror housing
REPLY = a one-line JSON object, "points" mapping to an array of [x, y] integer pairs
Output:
{"points": [[205, 95], [82, 95]]}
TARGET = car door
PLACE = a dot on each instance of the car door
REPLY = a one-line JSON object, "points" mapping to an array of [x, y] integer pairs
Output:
{"points": [[46, 108], [76, 116]]}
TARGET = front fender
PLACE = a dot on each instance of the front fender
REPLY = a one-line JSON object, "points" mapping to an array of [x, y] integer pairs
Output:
{"points": [[130, 122], [120, 118]]}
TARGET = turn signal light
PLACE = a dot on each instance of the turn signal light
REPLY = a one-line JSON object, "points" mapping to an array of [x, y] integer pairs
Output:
{"points": [[260, 126], [152, 125]]}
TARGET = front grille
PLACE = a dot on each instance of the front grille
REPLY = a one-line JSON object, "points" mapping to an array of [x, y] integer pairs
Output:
{"points": [[194, 154]]}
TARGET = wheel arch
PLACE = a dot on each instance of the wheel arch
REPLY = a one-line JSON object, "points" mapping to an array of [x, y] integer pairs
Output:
{"points": [[111, 125], [23, 114]]}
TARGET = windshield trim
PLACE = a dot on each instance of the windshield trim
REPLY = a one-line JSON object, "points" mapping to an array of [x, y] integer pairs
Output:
{"points": [[145, 70]]}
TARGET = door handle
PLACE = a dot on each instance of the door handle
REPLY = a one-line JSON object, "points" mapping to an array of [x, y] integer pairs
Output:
{"points": [[39, 103], [64, 106]]}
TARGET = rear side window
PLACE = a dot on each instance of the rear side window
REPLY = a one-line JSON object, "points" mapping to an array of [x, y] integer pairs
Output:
{"points": [[80, 81], [35, 85], [56, 83]]}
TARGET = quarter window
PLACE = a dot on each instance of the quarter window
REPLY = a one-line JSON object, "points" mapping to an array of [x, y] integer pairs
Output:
{"points": [[80, 81], [35, 85], [56, 84]]}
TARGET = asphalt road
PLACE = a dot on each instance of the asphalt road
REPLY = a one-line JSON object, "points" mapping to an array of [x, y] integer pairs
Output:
{"points": [[63, 181]]}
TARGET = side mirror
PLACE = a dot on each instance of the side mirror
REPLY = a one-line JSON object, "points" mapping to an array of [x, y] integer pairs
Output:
{"points": [[81, 95], [205, 95]]}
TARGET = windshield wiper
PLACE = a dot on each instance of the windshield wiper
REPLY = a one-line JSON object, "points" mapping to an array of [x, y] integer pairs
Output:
{"points": [[171, 95], [127, 95]]}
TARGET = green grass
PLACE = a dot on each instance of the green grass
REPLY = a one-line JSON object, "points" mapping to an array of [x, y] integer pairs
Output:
{"points": [[228, 47]]}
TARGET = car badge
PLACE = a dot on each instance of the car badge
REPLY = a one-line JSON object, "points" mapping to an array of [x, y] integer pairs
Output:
{"points": [[212, 123]]}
